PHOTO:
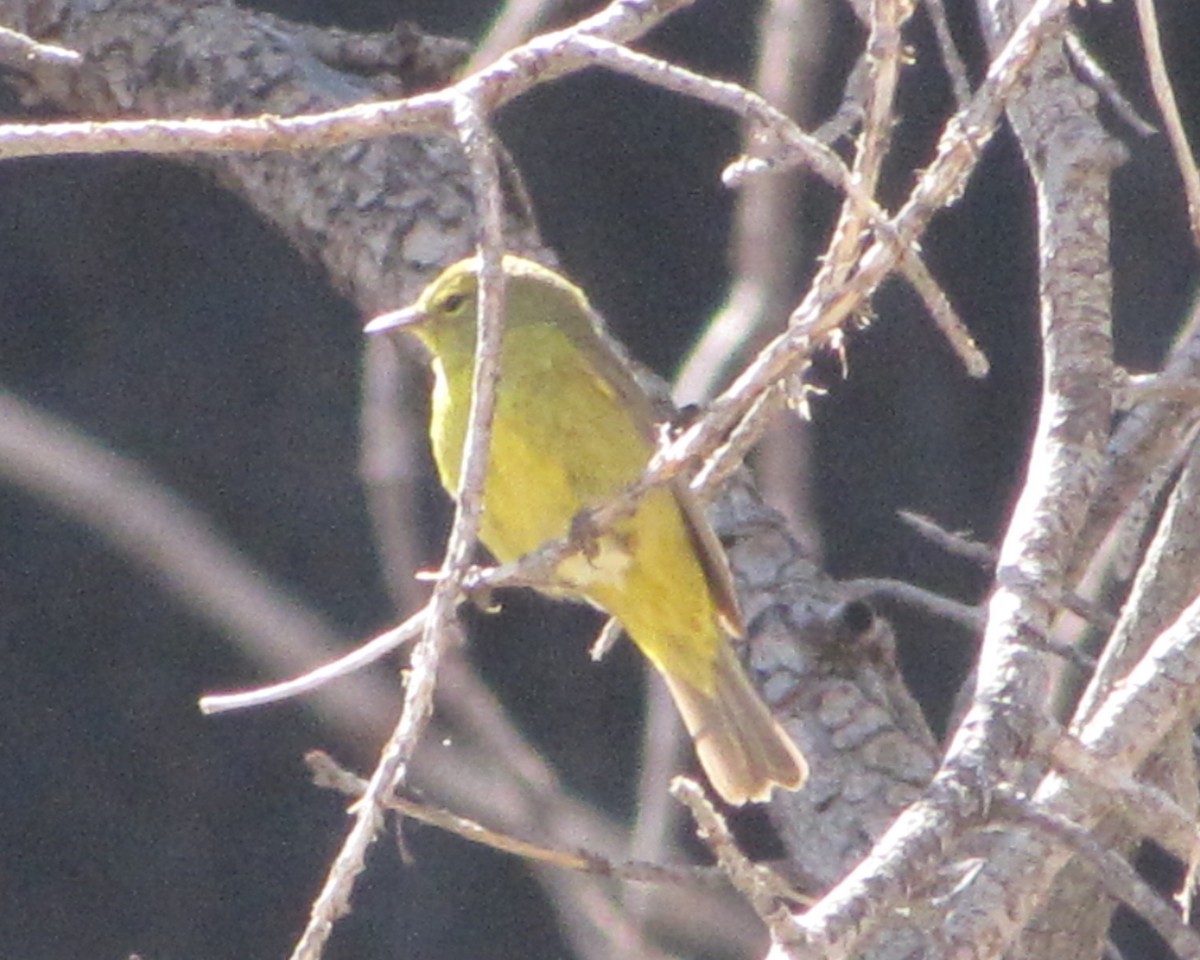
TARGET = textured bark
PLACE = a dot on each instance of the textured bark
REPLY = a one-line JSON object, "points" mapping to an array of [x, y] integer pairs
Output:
{"points": [[830, 668], [1070, 158]]}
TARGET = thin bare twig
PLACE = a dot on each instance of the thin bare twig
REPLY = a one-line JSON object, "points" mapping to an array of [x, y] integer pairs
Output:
{"points": [[940, 308], [885, 57], [959, 544], [763, 889], [605, 640], [952, 60], [1103, 82], [824, 309], [21, 52], [326, 772], [355, 660], [983, 555], [965, 615], [1165, 95], [768, 123]]}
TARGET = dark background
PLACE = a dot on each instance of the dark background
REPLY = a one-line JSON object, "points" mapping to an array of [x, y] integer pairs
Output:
{"points": [[157, 314]]}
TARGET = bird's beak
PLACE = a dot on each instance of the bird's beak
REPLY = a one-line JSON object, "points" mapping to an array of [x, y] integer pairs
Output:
{"points": [[396, 320]]}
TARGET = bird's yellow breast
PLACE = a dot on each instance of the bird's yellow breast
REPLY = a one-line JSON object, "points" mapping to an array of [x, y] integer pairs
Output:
{"points": [[560, 440]]}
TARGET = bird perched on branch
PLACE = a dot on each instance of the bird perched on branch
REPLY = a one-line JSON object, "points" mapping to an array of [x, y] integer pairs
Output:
{"points": [[572, 428]]}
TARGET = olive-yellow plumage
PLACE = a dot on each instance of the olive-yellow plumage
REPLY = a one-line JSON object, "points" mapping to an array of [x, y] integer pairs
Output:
{"points": [[572, 428]]}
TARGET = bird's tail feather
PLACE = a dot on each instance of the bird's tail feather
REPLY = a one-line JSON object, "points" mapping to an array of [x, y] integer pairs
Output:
{"points": [[743, 749]]}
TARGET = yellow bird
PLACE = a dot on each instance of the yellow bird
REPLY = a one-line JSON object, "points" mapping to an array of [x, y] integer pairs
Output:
{"points": [[572, 428]]}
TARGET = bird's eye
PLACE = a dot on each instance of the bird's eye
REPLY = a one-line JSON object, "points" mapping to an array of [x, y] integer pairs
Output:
{"points": [[454, 302]]}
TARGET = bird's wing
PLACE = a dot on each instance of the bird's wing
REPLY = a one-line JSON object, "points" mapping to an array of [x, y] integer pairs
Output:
{"points": [[613, 367]]}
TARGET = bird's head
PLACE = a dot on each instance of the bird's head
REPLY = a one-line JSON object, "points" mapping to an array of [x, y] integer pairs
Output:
{"points": [[445, 315]]}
